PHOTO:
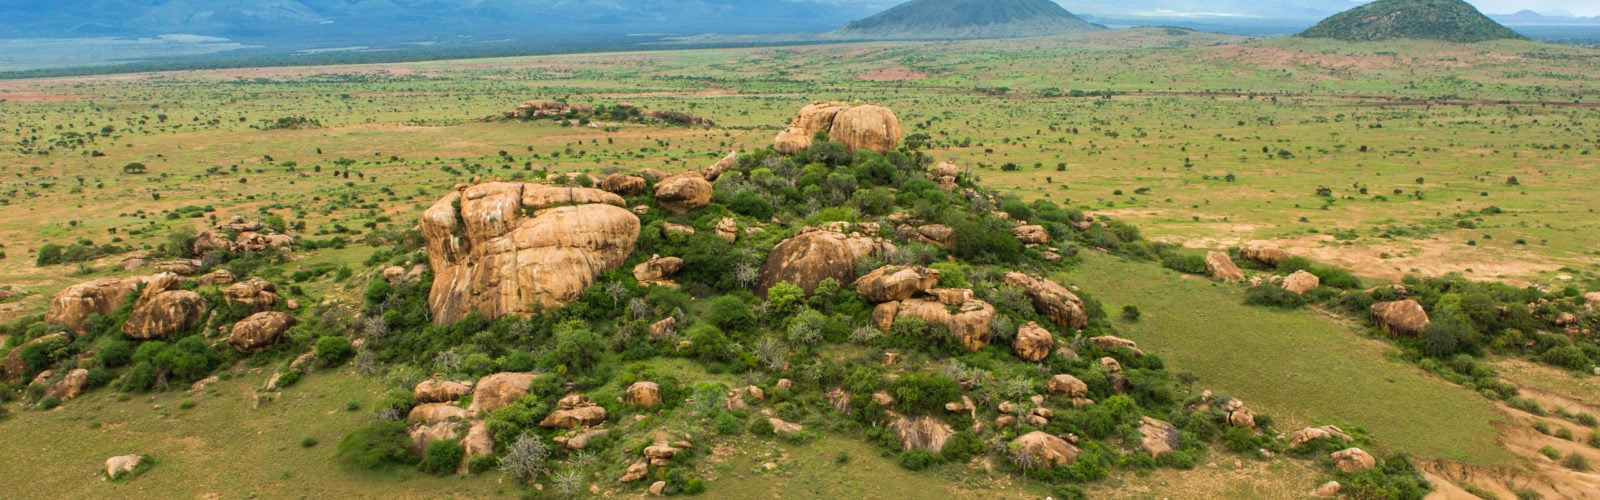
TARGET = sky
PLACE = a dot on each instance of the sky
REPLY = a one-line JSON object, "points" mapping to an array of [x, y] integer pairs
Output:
{"points": [[1587, 8]]}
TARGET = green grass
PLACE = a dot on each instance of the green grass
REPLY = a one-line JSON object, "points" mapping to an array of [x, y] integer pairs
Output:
{"points": [[1301, 368]]}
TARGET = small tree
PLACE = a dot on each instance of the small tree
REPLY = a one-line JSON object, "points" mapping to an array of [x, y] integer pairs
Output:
{"points": [[526, 459]]}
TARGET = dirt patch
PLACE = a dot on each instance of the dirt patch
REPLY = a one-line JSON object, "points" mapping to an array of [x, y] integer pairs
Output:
{"points": [[1539, 473]]}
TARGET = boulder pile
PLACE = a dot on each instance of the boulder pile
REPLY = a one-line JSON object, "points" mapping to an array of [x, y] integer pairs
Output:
{"points": [[868, 127]]}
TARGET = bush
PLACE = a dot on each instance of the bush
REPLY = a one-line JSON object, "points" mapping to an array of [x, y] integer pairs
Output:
{"points": [[308, 442], [916, 460], [729, 312], [1570, 357], [1272, 296], [761, 427], [1130, 313], [442, 457], [727, 424], [332, 351], [379, 445], [923, 393], [961, 446], [1550, 452], [1445, 337]]}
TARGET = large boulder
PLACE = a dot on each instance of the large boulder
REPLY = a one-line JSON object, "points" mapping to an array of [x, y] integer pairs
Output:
{"points": [[815, 255], [123, 465], [1111, 343], [1219, 266], [868, 127], [496, 391], [440, 391], [969, 323], [477, 443], [212, 240], [504, 249], [181, 267], [658, 270], [1261, 255], [259, 331], [922, 433], [14, 369], [1052, 300], [72, 306], [1310, 434], [684, 193], [644, 394], [625, 185], [938, 235], [1353, 460], [428, 413], [163, 311], [252, 294], [424, 434], [69, 386], [813, 118], [1301, 282], [1067, 385], [1401, 317], [1046, 450], [1158, 436], [1032, 235], [575, 411], [895, 283], [217, 277], [1033, 343]]}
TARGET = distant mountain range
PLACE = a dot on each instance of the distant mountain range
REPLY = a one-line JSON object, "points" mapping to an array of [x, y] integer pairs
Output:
{"points": [[948, 19], [1531, 18]]}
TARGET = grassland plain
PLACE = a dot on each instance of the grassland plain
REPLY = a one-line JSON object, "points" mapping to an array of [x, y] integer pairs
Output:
{"points": [[1207, 140]]}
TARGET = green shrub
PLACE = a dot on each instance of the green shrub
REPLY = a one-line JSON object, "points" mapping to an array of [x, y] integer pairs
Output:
{"points": [[916, 460], [378, 445], [729, 312], [1564, 433], [1594, 439], [1268, 295], [1576, 462], [727, 424], [1131, 313], [1185, 263], [333, 351], [1550, 452], [442, 457], [49, 403], [308, 442], [923, 393], [1570, 357], [761, 427], [961, 446]]}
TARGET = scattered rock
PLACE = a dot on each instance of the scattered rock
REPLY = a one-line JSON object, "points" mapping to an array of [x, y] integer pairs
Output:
{"points": [[440, 391], [1353, 460], [217, 277], [1067, 385], [118, 466], [938, 235], [1110, 364], [181, 267], [895, 283], [478, 443], [670, 227], [643, 393], [1309, 434], [253, 295], [1048, 450], [424, 434], [1329, 489], [781, 427], [684, 193], [1219, 266], [259, 331], [664, 328], [1032, 235], [727, 229], [1265, 256], [807, 259], [1033, 342], [69, 386], [581, 440], [1238, 414], [1159, 436], [868, 127], [636, 471], [499, 390], [1401, 317], [1052, 300], [658, 488], [511, 249], [1565, 319], [575, 411], [1301, 282], [883, 316]]}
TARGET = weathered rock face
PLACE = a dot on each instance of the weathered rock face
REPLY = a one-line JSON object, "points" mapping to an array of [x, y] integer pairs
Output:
{"points": [[253, 294], [118, 466], [1032, 235], [895, 283], [643, 393], [869, 127], [1401, 317], [575, 411], [625, 185], [1309, 434], [1067, 385], [657, 271], [1112, 343], [922, 433], [1158, 436], [1048, 450], [812, 256], [938, 235], [1033, 342], [440, 391], [1353, 460], [103, 296], [181, 267], [424, 434], [477, 443], [429, 413], [684, 193], [493, 257], [813, 118], [1054, 301], [68, 387], [259, 331], [496, 391], [1219, 266], [14, 368], [217, 277], [1301, 282], [969, 323], [1261, 255], [162, 310]]}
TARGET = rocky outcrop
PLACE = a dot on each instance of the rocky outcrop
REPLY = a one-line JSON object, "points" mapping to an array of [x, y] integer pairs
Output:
{"points": [[1067, 385], [625, 185], [72, 306], [69, 386], [869, 127], [180, 267], [636, 471], [1032, 235], [657, 271], [1052, 300], [493, 392], [1219, 266], [683, 193], [814, 255], [574, 412], [895, 283], [424, 434], [504, 249], [883, 315], [1353, 460], [1046, 450], [1309, 434], [938, 235], [1238, 415], [252, 295], [644, 394], [1401, 317], [440, 391], [1033, 342], [969, 323], [1301, 282], [813, 118], [259, 331], [1158, 436], [1111, 343], [921, 433], [1268, 257], [217, 277], [477, 443], [782, 427], [14, 369], [428, 413], [163, 311]]}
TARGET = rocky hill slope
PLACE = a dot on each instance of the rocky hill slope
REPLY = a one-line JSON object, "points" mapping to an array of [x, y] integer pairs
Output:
{"points": [[1449, 20]]}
